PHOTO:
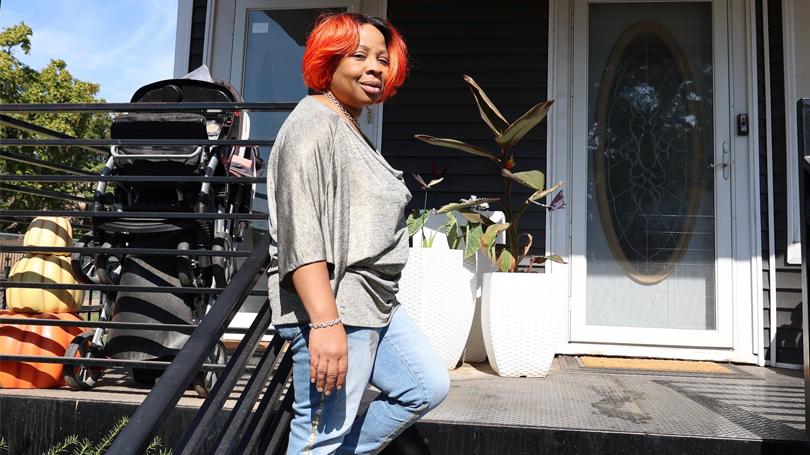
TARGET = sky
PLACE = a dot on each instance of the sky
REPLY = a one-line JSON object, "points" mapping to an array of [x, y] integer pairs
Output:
{"points": [[118, 44]]}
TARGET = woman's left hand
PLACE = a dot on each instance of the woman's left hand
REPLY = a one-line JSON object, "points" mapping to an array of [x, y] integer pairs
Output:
{"points": [[328, 358]]}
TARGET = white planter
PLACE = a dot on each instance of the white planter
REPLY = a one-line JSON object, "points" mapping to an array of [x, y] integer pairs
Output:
{"points": [[436, 289], [521, 321], [475, 351]]}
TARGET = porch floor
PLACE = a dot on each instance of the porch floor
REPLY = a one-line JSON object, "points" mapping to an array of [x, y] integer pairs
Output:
{"points": [[572, 410]]}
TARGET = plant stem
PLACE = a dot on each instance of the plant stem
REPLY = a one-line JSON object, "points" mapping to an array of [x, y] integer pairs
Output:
{"points": [[511, 232]]}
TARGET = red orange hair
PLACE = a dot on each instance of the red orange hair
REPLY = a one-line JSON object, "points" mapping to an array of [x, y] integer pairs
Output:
{"points": [[337, 35]]}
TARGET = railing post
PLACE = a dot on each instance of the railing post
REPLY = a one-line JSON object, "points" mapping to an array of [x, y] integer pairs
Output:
{"points": [[175, 380]]}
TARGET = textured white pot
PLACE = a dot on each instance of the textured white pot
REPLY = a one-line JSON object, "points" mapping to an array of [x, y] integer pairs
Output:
{"points": [[520, 319], [475, 351], [435, 288]]}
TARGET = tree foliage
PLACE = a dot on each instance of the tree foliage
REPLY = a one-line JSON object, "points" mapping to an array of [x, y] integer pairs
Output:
{"points": [[20, 84]]}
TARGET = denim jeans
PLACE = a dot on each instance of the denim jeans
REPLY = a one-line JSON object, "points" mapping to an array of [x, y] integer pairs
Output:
{"points": [[397, 360]]}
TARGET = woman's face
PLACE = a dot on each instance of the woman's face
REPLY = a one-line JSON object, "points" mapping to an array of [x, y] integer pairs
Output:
{"points": [[359, 78]]}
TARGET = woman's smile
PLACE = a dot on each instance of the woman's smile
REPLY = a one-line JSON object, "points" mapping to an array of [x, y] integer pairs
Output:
{"points": [[358, 79]]}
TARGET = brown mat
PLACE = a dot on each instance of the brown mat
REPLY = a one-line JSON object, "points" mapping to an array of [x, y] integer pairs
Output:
{"points": [[685, 366]]}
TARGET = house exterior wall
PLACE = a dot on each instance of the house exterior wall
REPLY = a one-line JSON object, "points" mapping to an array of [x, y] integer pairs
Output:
{"points": [[787, 296], [503, 45]]}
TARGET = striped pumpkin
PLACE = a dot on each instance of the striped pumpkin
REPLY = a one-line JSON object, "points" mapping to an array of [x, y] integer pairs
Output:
{"points": [[43, 269], [54, 231], [36, 340]]}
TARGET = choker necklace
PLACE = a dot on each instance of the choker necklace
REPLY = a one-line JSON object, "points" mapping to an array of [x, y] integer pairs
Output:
{"points": [[342, 109]]}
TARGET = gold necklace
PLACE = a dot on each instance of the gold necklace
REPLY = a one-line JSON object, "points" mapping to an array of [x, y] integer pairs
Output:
{"points": [[342, 109]]}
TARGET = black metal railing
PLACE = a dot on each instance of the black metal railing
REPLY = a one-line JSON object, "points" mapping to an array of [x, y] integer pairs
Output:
{"points": [[245, 431], [260, 418]]}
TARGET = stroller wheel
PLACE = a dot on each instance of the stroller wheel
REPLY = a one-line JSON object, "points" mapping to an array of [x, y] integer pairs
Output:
{"points": [[81, 377], [84, 267], [204, 381], [94, 268], [223, 267]]}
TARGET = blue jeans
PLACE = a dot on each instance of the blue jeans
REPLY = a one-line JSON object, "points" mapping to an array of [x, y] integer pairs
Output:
{"points": [[397, 360]]}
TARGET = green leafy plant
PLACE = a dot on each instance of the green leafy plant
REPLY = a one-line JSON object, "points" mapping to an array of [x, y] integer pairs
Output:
{"points": [[417, 218], [72, 445], [507, 135]]}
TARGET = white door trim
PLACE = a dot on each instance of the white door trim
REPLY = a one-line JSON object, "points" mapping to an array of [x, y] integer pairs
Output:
{"points": [[745, 262], [182, 41]]}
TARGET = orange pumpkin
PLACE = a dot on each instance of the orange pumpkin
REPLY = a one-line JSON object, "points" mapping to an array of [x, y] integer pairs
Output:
{"points": [[43, 268], [53, 231], [39, 340]]}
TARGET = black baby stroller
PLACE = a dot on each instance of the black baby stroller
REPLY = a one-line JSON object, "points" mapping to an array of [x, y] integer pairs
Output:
{"points": [[155, 232]]}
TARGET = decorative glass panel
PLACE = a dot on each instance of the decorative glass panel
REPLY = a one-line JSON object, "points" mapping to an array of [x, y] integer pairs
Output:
{"points": [[650, 245]]}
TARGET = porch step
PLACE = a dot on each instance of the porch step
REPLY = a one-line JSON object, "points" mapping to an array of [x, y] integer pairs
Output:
{"points": [[572, 411]]}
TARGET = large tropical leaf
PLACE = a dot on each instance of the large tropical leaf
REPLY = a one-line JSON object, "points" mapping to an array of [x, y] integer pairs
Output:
{"points": [[465, 205], [506, 261], [541, 259], [523, 250], [416, 220], [425, 185], [540, 194], [488, 239], [451, 229], [489, 113], [474, 217], [533, 179], [524, 124], [472, 240], [551, 257], [454, 144]]}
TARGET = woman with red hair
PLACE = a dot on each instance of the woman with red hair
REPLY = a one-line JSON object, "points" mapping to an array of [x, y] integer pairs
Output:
{"points": [[336, 213]]}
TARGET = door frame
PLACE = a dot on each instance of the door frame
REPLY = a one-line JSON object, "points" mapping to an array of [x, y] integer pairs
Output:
{"points": [[225, 37], [224, 54], [744, 323]]}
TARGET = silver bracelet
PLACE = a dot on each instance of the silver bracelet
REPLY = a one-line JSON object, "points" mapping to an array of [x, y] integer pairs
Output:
{"points": [[321, 325]]}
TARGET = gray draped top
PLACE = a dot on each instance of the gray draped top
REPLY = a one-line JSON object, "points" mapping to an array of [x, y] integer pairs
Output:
{"points": [[331, 197]]}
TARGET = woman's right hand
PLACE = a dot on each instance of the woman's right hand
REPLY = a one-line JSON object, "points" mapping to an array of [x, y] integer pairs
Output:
{"points": [[328, 358]]}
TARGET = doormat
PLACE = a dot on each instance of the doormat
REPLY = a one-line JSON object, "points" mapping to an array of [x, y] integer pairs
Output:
{"points": [[679, 366]]}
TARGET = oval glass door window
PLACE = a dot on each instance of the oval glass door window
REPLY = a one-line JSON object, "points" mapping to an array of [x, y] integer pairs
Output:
{"points": [[647, 152]]}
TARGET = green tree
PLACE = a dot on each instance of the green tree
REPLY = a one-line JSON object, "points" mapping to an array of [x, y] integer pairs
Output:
{"points": [[20, 83]]}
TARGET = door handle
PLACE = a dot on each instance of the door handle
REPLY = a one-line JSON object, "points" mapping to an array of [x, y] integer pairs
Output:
{"points": [[724, 165]]}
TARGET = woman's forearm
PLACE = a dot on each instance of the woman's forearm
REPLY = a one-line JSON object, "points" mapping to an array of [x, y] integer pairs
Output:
{"points": [[311, 282]]}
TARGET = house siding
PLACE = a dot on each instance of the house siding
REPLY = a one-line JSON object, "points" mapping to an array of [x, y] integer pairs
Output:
{"points": [[503, 45], [788, 277]]}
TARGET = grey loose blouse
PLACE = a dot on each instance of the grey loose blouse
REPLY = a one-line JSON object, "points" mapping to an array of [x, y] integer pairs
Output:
{"points": [[331, 197]]}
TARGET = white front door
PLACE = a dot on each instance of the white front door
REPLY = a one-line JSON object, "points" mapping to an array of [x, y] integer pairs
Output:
{"points": [[650, 208]]}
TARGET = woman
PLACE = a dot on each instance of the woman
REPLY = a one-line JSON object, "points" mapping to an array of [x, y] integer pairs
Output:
{"points": [[336, 212]]}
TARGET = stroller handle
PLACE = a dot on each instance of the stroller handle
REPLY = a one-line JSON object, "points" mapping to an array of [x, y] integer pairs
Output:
{"points": [[116, 154]]}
